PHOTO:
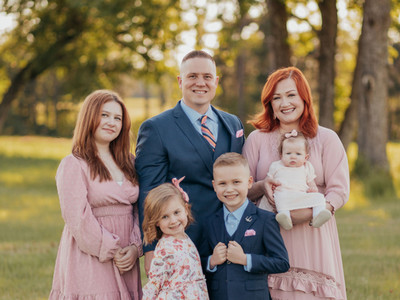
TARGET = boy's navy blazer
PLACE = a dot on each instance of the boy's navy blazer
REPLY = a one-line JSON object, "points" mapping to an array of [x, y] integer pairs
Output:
{"points": [[169, 146], [258, 234]]}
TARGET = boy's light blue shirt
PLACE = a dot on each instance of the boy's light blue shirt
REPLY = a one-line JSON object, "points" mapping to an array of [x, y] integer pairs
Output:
{"points": [[194, 117], [232, 220]]}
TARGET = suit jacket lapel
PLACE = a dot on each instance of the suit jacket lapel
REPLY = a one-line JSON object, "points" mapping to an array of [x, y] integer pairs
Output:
{"points": [[184, 124], [229, 128], [218, 225], [248, 219]]}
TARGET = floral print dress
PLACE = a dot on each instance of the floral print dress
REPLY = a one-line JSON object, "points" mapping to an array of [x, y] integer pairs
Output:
{"points": [[175, 271]]}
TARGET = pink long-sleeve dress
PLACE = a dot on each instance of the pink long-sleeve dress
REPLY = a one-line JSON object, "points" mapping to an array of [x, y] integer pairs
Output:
{"points": [[314, 253], [99, 218]]}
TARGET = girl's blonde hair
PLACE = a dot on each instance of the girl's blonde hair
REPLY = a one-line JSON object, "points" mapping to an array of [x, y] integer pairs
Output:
{"points": [[153, 210]]}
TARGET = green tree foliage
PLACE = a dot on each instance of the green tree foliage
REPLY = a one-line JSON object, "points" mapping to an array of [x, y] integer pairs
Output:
{"points": [[63, 49], [83, 45], [235, 55]]}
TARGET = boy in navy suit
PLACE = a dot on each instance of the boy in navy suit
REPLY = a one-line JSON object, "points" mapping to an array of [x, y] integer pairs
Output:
{"points": [[242, 243]]}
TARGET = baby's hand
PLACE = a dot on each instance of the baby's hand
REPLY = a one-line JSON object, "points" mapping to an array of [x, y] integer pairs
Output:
{"points": [[312, 189], [219, 255], [236, 254]]}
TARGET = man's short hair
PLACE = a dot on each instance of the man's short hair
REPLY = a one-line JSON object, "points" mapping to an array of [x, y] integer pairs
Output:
{"points": [[197, 53]]}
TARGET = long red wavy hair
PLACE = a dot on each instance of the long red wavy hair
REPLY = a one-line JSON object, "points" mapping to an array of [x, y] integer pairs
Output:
{"points": [[83, 142], [265, 121]]}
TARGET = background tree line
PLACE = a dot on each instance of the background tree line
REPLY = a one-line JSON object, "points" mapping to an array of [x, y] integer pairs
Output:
{"points": [[60, 50]]}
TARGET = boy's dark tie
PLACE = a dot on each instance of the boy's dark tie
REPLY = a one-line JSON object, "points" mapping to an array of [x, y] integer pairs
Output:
{"points": [[207, 134]]}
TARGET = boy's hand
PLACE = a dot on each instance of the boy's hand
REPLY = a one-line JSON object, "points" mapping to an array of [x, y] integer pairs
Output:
{"points": [[236, 254], [219, 255]]}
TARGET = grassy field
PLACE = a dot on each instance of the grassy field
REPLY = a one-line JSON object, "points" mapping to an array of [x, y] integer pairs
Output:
{"points": [[31, 225]]}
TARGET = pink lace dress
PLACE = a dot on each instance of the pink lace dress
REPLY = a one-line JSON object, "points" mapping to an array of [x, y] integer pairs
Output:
{"points": [[175, 272], [314, 253], [99, 218]]}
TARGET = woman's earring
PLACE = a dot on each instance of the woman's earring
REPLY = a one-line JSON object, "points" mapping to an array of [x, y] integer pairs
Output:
{"points": [[274, 117]]}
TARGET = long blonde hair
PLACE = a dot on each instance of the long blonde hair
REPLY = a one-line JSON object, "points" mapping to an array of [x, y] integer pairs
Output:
{"points": [[153, 210]]}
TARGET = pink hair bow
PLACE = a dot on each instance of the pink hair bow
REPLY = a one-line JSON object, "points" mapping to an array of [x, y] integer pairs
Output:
{"points": [[176, 183], [290, 134]]}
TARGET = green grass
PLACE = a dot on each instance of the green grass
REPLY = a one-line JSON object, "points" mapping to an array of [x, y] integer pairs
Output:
{"points": [[31, 225]]}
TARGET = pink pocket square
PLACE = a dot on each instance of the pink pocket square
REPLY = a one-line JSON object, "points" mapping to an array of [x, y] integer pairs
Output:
{"points": [[239, 133], [250, 232]]}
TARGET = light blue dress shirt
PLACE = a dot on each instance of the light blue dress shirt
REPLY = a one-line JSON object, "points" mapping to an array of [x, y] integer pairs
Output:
{"points": [[232, 220], [194, 117]]}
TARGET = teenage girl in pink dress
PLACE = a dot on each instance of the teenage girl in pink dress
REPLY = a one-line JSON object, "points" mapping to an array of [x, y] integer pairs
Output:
{"points": [[98, 256]]}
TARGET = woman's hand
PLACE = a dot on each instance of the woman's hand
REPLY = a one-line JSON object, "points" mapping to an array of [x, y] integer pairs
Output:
{"points": [[269, 186], [262, 188], [125, 258], [330, 208]]}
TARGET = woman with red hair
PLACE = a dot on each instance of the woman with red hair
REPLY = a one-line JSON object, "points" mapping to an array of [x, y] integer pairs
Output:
{"points": [[314, 253], [98, 256]]}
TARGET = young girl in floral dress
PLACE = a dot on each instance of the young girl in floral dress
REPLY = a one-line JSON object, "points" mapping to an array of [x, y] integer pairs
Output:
{"points": [[175, 271]]}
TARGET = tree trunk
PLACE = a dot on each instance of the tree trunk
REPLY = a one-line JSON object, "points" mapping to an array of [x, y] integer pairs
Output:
{"points": [[277, 36], [146, 96], [240, 77], [163, 98], [349, 127], [372, 84], [326, 59]]}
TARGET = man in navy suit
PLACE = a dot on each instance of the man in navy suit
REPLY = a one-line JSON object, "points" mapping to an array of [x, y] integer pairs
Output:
{"points": [[172, 144], [242, 244]]}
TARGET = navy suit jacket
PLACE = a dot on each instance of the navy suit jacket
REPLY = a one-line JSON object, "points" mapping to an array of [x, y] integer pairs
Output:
{"points": [[259, 235], [169, 146]]}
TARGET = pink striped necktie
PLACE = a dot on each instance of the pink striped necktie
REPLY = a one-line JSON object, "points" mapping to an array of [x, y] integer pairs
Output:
{"points": [[207, 134]]}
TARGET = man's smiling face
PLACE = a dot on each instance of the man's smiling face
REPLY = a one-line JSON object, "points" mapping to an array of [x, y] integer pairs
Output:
{"points": [[198, 81]]}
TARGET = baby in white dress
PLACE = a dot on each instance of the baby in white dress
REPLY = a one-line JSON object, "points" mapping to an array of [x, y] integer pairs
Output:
{"points": [[298, 188]]}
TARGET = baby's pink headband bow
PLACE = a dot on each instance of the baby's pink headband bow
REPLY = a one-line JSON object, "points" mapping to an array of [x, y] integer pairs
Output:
{"points": [[176, 182], [290, 134]]}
